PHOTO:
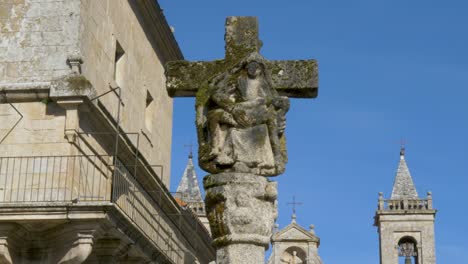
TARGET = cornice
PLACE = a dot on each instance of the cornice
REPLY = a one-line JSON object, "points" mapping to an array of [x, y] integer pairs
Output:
{"points": [[158, 31]]}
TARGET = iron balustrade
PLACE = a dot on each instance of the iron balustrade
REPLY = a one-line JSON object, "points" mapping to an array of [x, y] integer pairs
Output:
{"points": [[31, 179], [75, 179], [130, 196]]}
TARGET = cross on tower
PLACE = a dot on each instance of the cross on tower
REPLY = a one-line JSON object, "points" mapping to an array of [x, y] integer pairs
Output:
{"points": [[292, 78], [402, 147], [190, 146], [294, 203]]}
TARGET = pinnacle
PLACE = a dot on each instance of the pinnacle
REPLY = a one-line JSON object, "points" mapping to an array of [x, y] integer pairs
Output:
{"points": [[189, 189], [403, 187]]}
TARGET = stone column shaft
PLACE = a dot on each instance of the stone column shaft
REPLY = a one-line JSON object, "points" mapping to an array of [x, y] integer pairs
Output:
{"points": [[242, 209]]}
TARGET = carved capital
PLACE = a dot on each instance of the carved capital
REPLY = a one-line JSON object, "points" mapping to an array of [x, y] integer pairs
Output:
{"points": [[241, 208]]}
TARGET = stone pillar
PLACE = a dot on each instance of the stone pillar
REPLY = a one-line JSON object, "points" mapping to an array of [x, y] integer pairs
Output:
{"points": [[72, 117], [242, 209]]}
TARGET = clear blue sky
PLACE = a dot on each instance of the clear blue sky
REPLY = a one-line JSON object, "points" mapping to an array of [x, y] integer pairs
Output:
{"points": [[388, 69]]}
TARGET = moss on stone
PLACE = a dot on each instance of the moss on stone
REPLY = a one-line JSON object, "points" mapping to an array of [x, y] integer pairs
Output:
{"points": [[78, 83], [283, 148], [275, 69], [215, 216], [45, 101]]}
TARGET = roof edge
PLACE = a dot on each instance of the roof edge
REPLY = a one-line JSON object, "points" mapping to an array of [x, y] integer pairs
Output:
{"points": [[157, 30]]}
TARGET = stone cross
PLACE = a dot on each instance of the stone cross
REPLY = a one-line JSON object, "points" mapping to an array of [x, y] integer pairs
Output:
{"points": [[241, 105], [294, 203], [292, 78], [190, 147], [228, 102]]}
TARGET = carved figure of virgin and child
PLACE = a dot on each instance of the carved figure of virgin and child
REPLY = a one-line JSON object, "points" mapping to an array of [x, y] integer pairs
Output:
{"points": [[241, 127]]}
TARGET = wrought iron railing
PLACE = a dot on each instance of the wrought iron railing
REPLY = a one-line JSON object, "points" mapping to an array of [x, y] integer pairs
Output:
{"points": [[31, 179], [79, 179], [130, 196]]}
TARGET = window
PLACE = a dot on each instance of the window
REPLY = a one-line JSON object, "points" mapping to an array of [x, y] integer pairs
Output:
{"points": [[119, 64], [407, 250], [149, 111], [294, 255]]}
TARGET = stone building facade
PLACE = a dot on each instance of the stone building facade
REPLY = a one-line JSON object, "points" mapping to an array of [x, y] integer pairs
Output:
{"points": [[295, 245], [405, 222], [85, 136]]}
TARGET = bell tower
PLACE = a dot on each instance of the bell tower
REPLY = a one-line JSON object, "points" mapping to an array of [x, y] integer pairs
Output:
{"points": [[405, 222]]}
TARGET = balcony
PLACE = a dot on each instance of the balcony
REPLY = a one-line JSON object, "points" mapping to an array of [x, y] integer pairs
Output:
{"points": [[101, 181]]}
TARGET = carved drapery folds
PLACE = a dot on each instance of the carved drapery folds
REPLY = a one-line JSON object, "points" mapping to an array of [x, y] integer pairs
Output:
{"points": [[241, 121]]}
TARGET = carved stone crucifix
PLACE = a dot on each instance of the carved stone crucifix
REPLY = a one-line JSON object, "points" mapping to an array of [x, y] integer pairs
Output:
{"points": [[241, 105]]}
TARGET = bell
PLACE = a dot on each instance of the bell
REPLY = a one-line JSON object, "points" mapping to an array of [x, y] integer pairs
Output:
{"points": [[408, 260]]}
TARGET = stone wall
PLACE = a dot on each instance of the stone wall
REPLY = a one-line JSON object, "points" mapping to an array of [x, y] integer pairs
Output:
{"points": [[105, 23], [36, 36], [32, 129]]}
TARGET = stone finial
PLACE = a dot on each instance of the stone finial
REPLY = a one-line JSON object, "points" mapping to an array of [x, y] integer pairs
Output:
{"points": [[293, 218], [381, 201], [312, 229], [275, 228], [75, 61], [429, 200]]}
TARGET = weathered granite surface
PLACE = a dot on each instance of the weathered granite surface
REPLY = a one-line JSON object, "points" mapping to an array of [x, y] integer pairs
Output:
{"points": [[241, 121], [241, 106], [242, 209], [241, 102]]}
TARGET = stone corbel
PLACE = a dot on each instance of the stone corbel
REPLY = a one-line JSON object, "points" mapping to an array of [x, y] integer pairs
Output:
{"points": [[5, 257], [71, 117], [79, 250], [7, 234]]}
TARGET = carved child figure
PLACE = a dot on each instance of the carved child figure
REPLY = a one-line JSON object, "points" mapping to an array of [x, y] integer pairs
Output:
{"points": [[240, 105]]}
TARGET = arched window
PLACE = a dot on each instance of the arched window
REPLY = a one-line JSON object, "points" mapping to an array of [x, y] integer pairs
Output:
{"points": [[294, 255], [407, 250]]}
